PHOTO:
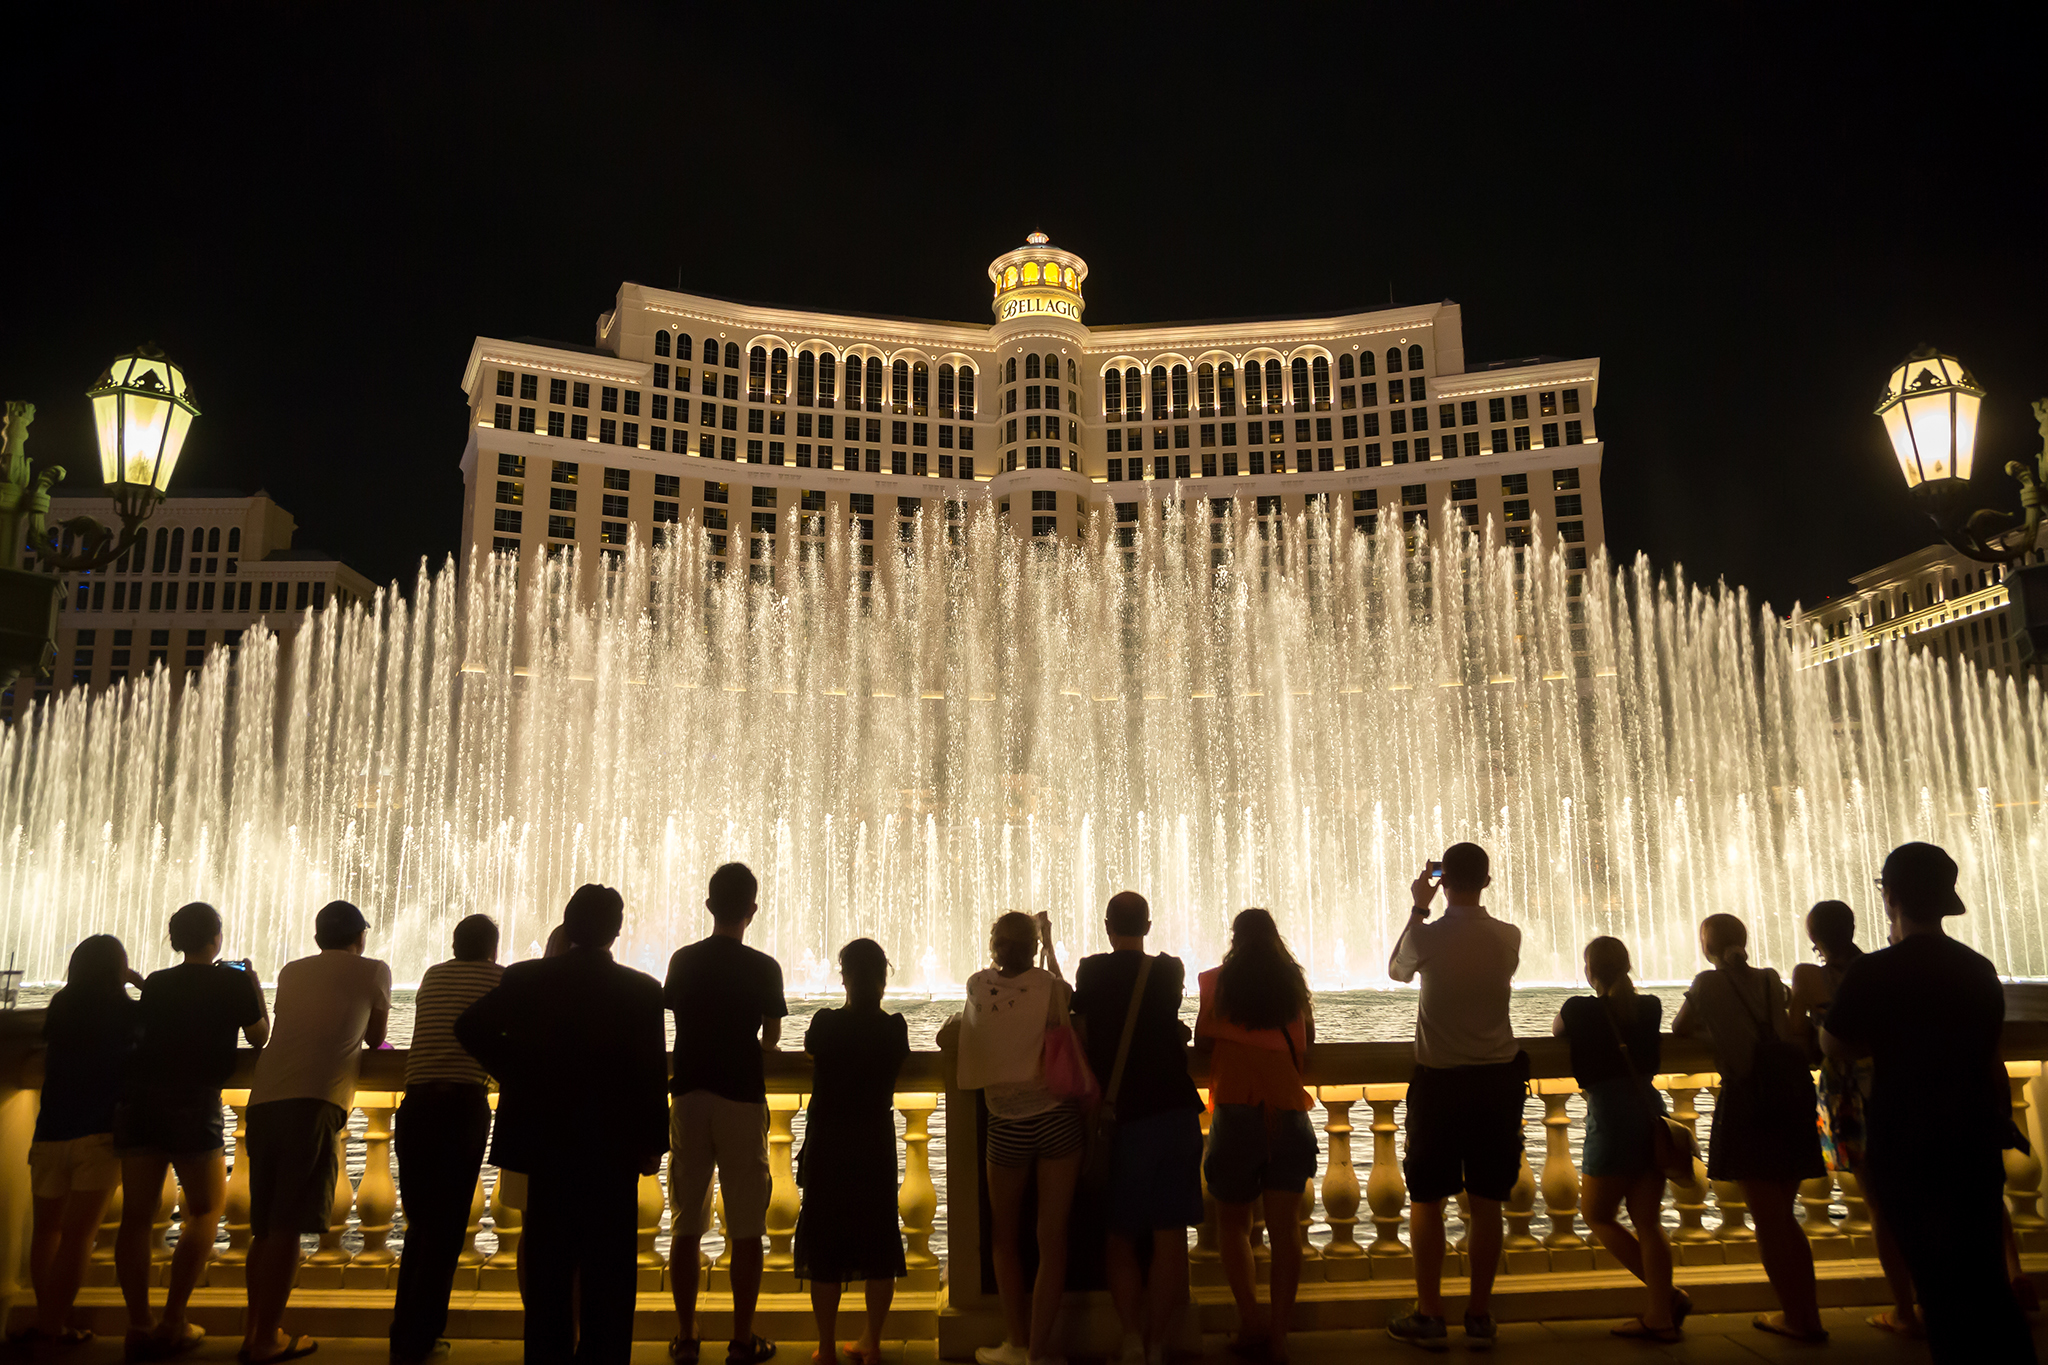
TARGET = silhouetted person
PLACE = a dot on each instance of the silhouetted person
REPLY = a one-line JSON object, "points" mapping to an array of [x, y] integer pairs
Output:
{"points": [[729, 1009], [439, 1134], [1155, 1170], [88, 1034], [1465, 1100], [190, 1015], [848, 1228], [1928, 1013], [576, 1044], [330, 1006]]}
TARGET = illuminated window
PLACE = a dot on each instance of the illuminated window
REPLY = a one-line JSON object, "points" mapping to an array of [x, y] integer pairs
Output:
{"points": [[757, 375], [1321, 371], [1112, 394], [1226, 378], [1562, 479], [1252, 400], [1393, 360], [1301, 394], [1010, 278], [778, 376], [966, 413], [1414, 358], [1273, 392], [1052, 366], [806, 378], [1031, 367], [899, 386], [732, 355], [1134, 395], [873, 385], [1029, 273], [920, 390], [661, 343], [828, 382], [1180, 391]]}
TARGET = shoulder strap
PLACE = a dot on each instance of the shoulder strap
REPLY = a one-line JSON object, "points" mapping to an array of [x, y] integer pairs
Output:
{"points": [[1123, 1044]]}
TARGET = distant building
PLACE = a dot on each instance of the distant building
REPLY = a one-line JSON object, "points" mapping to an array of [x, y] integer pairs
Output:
{"points": [[1933, 599], [211, 564]]}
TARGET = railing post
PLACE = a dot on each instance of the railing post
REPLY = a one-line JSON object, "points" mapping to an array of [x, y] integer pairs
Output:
{"points": [[160, 1226], [1568, 1250], [500, 1274], [1205, 1262], [917, 1202], [1816, 1197], [1344, 1258], [652, 1199], [1386, 1191], [1692, 1244], [228, 1268], [322, 1270], [376, 1200], [783, 1200], [1521, 1252], [2023, 1169]]}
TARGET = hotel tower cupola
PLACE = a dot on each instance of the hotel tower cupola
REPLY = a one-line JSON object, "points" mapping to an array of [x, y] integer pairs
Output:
{"points": [[1037, 282]]}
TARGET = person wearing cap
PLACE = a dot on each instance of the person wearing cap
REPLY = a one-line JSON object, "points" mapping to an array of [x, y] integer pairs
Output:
{"points": [[1928, 1012], [330, 1006]]}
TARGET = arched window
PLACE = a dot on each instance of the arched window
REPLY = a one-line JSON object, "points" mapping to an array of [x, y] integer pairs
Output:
{"points": [[732, 355], [1112, 395], [1321, 371], [899, 386], [757, 374], [661, 343], [1205, 389], [806, 378], [1180, 391], [685, 348], [920, 389], [1052, 366], [1273, 391], [1393, 360], [1300, 384], [778, 376], [853, 373], [213, 541], [234, 539], [177, 549], [163, 543], [1365, 370], [1072, 373], [873, 386], [1344, 366], [1134, 394], [828, 380], [966, 393], [710, 350], [1031, 366], [1158, 392], [945, 390], [1010, 370], [1414, 357], [1252, 401], [1226, 383]]}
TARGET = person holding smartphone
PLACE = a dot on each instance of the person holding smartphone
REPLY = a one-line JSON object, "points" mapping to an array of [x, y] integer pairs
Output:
{"points": [[1465, 1100]]}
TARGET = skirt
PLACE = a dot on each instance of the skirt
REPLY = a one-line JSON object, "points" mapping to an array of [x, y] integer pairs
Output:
{"points": [[1753, 1140], [847, 1229], [1618, 1134]]}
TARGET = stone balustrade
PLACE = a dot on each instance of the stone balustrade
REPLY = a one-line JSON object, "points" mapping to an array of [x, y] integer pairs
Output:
{"points": [[1352, 1229]]}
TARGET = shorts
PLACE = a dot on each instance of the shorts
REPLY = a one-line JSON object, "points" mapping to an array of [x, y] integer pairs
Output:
{"points": [[706, 1130], [1253, 1149], [1465, 1131], [1155, 1174], [293, 1162], [169, 1125], [1049, 1136], [73, 1165]]}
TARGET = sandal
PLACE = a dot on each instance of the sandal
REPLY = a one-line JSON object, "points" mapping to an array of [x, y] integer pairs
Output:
{"points": [[1635, 1329], [163, 1346], [1763, 1322], [853, 1352], [298, 1348], [1681, 1308], [684, 1350], [753, 1351], [1890, 1321]]}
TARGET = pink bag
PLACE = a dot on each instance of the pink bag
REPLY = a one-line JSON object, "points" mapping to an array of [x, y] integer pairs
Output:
{"points": [[1066, 1067]]}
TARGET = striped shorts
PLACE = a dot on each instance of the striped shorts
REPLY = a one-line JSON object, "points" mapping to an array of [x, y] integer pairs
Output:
{"points": [[1048, 1136]]}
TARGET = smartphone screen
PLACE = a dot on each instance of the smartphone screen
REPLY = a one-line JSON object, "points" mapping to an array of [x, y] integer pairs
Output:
{"points": [[1436, 872]]}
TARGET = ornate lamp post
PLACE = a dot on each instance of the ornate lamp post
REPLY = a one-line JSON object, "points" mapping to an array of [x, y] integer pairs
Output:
{"points": [[1929, 409], [142, 410]]}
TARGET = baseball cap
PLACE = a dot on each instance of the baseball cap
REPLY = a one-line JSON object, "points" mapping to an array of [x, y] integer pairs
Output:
{"points": [[1921, 878]]}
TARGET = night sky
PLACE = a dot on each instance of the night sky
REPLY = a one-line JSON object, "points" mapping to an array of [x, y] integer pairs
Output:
{"points": [[317, 212]]}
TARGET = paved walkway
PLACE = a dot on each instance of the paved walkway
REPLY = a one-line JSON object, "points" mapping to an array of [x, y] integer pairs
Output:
{"points": [[1724, 1339]]}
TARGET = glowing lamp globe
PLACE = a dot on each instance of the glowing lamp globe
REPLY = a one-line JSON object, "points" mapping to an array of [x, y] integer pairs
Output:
{"points": [[143, 409], [1929, 409]]}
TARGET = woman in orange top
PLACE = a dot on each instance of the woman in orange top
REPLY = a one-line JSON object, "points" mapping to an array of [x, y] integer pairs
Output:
{"points": [[1256, 1024]]}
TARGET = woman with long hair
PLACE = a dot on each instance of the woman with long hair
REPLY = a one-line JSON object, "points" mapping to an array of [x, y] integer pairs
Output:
{"points": [[89, 1034], [1764, 1137], [1615, 1052], [1010, 1007], [847, 1229], [1257, 1023]]}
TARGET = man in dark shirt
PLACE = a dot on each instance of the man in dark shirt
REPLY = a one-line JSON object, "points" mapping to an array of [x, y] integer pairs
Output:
{"points": [[1155, 1183], [1928, 1011], [729, 1008]]}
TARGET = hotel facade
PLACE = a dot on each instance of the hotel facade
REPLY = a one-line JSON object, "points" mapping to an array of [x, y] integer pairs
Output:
{"points": [[760, 422]]}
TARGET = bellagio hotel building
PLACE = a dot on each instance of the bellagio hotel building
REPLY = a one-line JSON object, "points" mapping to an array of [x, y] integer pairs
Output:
{"points": [[756, 420]]}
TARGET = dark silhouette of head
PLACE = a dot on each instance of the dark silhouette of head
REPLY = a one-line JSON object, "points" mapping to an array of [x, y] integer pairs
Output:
{"points": [[476, 939], [1920, 883], [1259, 985], [1128, 915], [98, 964], [194, 927], [1725, 940], [1467, 872], [1832, 925], [594, 916], [338, 925], [864, 967], [731, 898], [1013, 941]]}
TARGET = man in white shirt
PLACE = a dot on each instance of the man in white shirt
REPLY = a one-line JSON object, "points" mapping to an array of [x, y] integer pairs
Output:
{"points": [[1465, 1100], [330, 1006]]}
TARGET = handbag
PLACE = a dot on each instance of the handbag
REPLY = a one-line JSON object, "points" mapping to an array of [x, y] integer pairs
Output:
{"points": [[1102, 1123], [1064, 1064], [1673, 1148]]}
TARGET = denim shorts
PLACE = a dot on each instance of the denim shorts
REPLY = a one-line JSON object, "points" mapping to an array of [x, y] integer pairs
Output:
{"points": [[1253, 1149]]}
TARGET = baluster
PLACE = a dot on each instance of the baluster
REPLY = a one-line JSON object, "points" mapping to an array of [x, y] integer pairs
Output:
{"points": [[917, 1202], [1343, 1258], [227, 1268], [1311, 1258], [1568, 1250], [1386, 1191], [719, 1268], [1521, 1253], [100, 1269], [1856, 1225], [376, 1200], [1829, 1243], [322, 1270], [1205, 1262], [1692, 1244], [160, 1226], [2023, 1169], [1459, 1259], [469, 1262], [652, 1199], [783, 1201], [500, 1274]]}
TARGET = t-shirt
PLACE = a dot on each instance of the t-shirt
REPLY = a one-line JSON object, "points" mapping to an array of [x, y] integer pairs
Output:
{"points": [[1252, 1066], [192, 1015], [1590, 1027], [89, 1036], [1155, 1079], [445, 992], [857, 1054], [1467, 962], [324, 1004], [1002, 1040], [1930, 1010], [1731, 1004], [721, 990]]}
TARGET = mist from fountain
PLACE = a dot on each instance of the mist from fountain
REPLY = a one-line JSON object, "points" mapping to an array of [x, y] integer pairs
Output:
{"points": [[1297, 722]]}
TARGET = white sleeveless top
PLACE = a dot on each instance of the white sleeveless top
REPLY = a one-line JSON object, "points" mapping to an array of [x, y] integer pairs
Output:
{"points": [[1002, 1040]]}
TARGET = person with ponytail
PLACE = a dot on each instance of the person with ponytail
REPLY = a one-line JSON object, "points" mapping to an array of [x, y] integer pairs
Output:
{"points": [[1763, 1135], [1615, 1052], [847, 1229]]}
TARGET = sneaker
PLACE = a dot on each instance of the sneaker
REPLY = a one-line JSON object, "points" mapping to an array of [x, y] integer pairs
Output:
{"points": [[1420, 1329], [1480, 1331], [1009, 1353]]}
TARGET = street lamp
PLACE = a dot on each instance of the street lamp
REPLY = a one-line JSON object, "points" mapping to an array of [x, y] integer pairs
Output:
{"points": [[1929, 409], [142, 411]]}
